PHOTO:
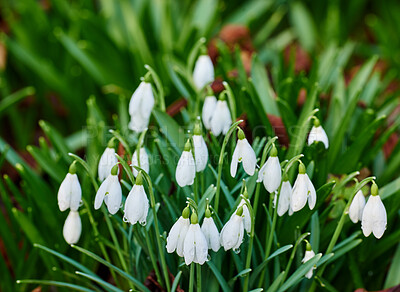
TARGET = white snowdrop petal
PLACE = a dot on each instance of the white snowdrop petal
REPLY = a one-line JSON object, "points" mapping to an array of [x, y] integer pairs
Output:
{"points": [[246, 218], [232, 233], [140, 107], [64, 193], [221, 120], [312, 194], [106, 163], [318, 134], [147, 101], [249, 158], [272, 174], [185, 170], [357, 207], [299, 193], [144, 161], [261, 173], [367, 221], [211, 233], [76, 193], [380, 218], [189, 245], [235, 160], [209, 105], [101, 192], [135, 99], [181, 238], [114, 197], [203, 72], [201, 245], [172, 239], [200, 152], [308, 256], [72, 227], [284, 198]]}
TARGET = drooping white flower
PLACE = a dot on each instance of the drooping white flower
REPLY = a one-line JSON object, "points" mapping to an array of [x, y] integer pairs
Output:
{"points": [[271, 174], [221, 119], [284, 197], [317, 134], [210, 103], [357, 207], [243, 153], [140, 107], [186, 168], [195, 248], [303, 190], [177, 234], [72, 227], [107, 161], [309, 254], [233, 231], [246, 214], [210, 231], [70, 192], [144, 161], [203, 72], [110, 192], [136, 204], [200, 149], [374, 217]]}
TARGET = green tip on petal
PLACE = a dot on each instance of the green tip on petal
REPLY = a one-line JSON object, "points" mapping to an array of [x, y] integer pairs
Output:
{"points": [[285, 177], [207, 213], [302, 168], [72, 168], [374, 189], [114, 170], [188, 146], [111, 143], [203, 50], [222, 95], [241, 135], [139, 179], [147, 77], [317, 123], [239, 211], [308, 246], [186, 213], [194, 219], [197, 129], [245, 193], [274, 151], [210, 92]]}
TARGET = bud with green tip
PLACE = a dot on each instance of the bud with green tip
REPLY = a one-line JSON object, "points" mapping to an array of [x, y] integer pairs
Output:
{"points": [[195, 248], [186, 168], [140, 107], [303, 191], [200, 149], [374, 217], [244, 154], [203, 73], [309, 254], [317, 134], [72, 227], [70, 192], [110, 192], [243, 210], [271, 173]]}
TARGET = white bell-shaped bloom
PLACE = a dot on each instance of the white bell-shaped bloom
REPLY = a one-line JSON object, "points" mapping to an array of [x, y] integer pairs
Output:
{"points": [[70, 192], [144, 161], [140, 107], [221, 119], [195, 248], [303, 190], [357, 207], [271, 174], [233, 231], [246, 215], [309, 254], [284, 198], [186, 168], [110, 192], [317, 134], [207, 113], [72, 227], [210, 231], [203, 72], [243, 153], [374, 217], [200, 149], [136, 204], [107, 161], [177, 234]]}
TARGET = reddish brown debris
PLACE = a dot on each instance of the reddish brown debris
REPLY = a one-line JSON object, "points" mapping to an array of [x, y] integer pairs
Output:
{"points": [[217, 85], [393, 289], [301, 57], [279, 129], [176, 106], [301, 98]]}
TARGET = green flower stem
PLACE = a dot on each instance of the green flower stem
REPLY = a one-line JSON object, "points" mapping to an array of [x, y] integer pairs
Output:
{"points": [[339, 227], [221, 161], [160, 88], [191, 277], [198, 268], [156, 228], [250, 248], [152, 257], [121, 139]]}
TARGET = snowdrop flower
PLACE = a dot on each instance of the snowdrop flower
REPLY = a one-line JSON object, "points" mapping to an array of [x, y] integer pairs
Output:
{"points": [[107, 161], [210, 231], [143, 159], [284, 197], [303, 190], [203, 72], [200, 149], [186, 168], [72, 227], [110, 192], [357, 207], [195, 248], [243, 153], [271, 174], [374, 218], [308, 256], [140, 107], [209, 106], [246, 213], [177, 234], [317, 134], [221, 119], [233, 231], [70, 192], [136, 204]]}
